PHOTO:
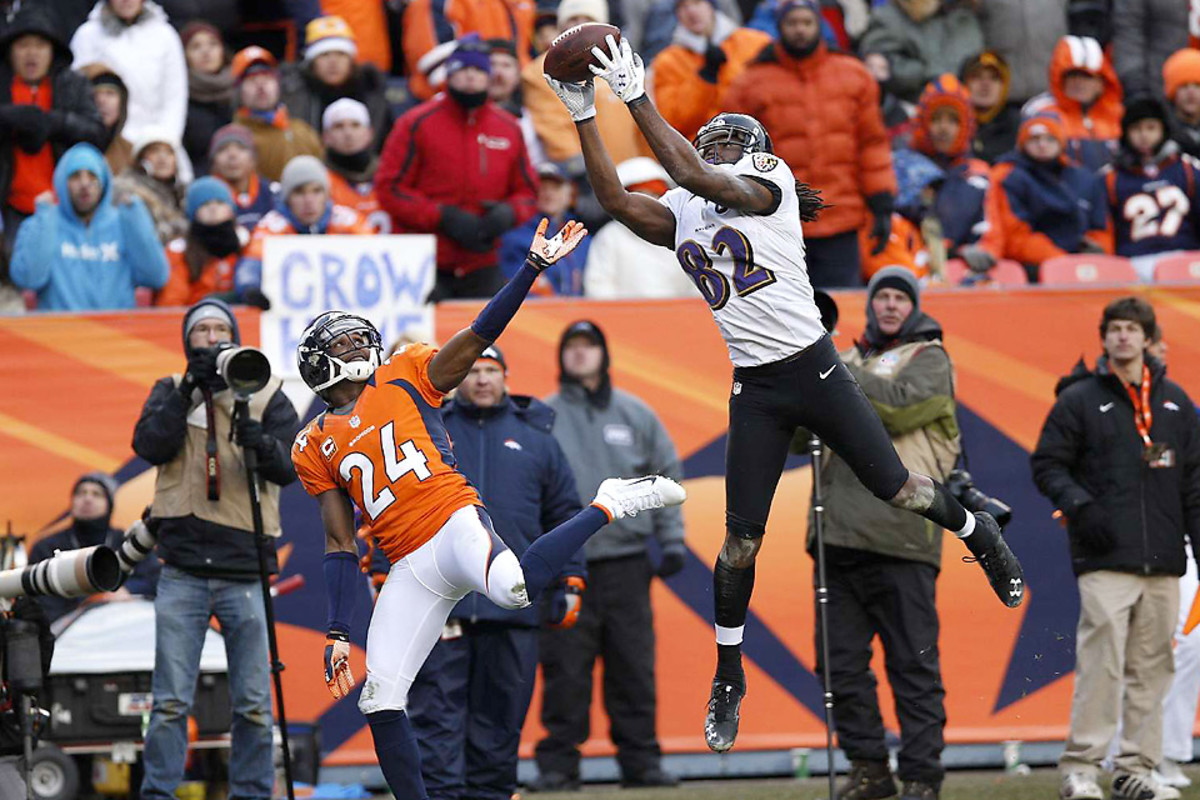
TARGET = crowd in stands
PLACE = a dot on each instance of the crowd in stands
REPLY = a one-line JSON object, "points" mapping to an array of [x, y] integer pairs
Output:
{"points": [[155, 144]]}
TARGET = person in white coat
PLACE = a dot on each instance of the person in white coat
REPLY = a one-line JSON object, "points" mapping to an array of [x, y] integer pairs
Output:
{"points": [[620, 265], [136, 40]]}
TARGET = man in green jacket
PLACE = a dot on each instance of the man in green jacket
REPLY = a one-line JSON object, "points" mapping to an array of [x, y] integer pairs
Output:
{"points": [[882, 563]]}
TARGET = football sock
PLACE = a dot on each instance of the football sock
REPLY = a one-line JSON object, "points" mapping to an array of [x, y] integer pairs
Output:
{"points": [[396, 749], [731, 592], [948, 513], [551, 551]]}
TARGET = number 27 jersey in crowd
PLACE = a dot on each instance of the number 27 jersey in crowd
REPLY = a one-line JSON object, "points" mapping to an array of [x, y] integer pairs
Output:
{"points": [[391, 454], [750, 267]]}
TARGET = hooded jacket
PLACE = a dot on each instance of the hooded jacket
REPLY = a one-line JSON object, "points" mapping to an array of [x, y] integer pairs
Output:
{"points": [[510, 456], [823, 116], [918, 50], [1090, 451], [206, 541], [94, 266], [1145, 34], [1092, 133], [910, 382], [610, 432], [995, 127], [148, 56], [73, 115]]}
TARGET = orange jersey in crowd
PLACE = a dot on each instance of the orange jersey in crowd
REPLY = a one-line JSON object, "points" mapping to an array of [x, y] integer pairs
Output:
{"points": [[391, 454], [180, 290], [360, 197]]}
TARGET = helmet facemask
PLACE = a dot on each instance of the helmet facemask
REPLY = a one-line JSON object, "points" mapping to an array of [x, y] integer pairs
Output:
{"points": [[346, 335]]}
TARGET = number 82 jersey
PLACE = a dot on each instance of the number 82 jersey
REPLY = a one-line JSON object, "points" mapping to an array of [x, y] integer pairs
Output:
{"points": [[391, 454], [750, 266]]}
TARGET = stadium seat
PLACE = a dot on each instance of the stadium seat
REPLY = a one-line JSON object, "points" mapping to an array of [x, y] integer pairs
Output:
{"points": [[143, 297], [1087, 268], [30, 298], [956, 270], [1179, 267], [1006, 273]]}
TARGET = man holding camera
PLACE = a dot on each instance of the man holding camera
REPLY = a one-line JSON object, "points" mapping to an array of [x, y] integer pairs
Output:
{"points": [[882, 562], [189, 431], [1119, 456]]}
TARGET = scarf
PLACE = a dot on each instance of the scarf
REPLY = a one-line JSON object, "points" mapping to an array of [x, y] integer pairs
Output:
{"points": [[216, 87]]}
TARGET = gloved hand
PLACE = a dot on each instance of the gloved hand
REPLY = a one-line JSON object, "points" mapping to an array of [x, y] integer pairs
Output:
{"points": [[714, 59], [978, 260], [202, 366], [338, 677], [621, 69], [498, 218], [249, 433], [579, 98], [1090, 525], [881, 228], [1090, 247], [464, 228], [673, 559], [30, 126], [544, 252], [565, 603]]}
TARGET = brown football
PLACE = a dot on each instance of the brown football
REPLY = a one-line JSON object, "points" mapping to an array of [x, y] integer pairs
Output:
{"points": [[571, 51]]}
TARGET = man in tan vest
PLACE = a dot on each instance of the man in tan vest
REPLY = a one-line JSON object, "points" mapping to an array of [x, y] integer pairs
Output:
{"points": [[187, 429]]}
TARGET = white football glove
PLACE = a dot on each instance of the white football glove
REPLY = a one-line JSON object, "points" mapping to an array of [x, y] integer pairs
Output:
{"points": [[579, 98], [621, 68]]}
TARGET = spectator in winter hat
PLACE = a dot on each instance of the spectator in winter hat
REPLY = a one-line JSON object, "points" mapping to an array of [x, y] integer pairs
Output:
{"points": [[1181, 81], [277, 137], [203, 261], [154, 176], [997, 119], [210, 90], [112, 102], [234, 159], [348, 136]]}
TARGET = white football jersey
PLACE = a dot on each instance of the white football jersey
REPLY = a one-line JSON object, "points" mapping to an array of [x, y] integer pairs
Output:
{"points": [[750, 267]]}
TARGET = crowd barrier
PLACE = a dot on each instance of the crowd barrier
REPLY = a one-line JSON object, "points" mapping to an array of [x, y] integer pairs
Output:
{"points": [[74, 384]]}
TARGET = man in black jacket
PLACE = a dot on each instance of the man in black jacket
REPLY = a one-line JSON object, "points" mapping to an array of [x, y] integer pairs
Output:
{"points": [[188, 430], [44, 109], [469, 700], [1119, 455]]}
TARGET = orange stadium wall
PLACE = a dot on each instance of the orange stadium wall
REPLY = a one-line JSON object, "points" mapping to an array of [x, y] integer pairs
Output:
{"points": [[71, 388]]}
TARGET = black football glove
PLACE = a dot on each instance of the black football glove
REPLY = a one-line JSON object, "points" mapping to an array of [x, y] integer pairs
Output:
{"points": [[714, 59], [1089, 524], [672, 562]]}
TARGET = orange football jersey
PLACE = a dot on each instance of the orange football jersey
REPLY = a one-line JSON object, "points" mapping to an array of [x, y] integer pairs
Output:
{"points": [[391, 454]]}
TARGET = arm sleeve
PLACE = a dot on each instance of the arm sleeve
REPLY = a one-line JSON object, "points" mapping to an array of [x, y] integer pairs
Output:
{"points": [[33, 253], [147, 258], [920, 394], [394, 183], [280, 424], [162, 427], [668, 522], [1059, 448], [560, 502], [1129, 45]]}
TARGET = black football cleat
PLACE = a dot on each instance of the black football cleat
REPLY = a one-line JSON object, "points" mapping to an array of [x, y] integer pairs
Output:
{"points": [[721, 721], [1001, 566]]}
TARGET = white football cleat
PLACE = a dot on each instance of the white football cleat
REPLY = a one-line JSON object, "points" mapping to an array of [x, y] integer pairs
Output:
{"points": [[625, 497]]}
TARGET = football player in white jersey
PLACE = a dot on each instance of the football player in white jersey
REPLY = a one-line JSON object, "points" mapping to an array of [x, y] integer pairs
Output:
{"points": [[734, 224]]}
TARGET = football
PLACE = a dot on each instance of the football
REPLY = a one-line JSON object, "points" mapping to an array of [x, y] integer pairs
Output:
{"points": [[570, 53]]}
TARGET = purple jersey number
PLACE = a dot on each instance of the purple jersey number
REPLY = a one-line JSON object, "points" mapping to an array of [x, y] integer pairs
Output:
{"points": [[748, 277]]}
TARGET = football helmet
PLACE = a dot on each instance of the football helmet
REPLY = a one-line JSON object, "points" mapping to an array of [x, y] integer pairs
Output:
{"points": [[730, 128], [319, 368]]}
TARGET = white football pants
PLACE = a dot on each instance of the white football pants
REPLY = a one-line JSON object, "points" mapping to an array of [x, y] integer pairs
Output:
{"points": [[1179, 707]]}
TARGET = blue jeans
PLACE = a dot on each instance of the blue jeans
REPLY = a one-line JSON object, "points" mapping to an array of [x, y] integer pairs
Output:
{"points": [[184, 605]]}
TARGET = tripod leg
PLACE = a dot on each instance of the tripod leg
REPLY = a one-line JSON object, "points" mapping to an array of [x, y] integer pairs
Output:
{"points": [[815, 446]]}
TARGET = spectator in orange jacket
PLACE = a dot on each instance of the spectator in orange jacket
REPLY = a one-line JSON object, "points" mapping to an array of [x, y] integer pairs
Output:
{"points": [[347, 134], [1039, 205], [304, 207], [202, 262], [1181, 81], [822, 111], [429, 23], [689, 78], [456, 166], [277, 137], [1086, 95]]}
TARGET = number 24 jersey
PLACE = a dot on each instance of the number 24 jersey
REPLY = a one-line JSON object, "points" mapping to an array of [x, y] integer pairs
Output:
{"points": [[750, 267], [391, 454]]}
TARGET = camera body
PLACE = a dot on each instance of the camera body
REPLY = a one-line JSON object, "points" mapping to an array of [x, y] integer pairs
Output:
{"points": [[960, 484]]}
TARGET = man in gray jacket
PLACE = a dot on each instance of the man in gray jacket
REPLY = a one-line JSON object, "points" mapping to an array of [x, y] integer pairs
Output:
{"points": [[604, 432]]}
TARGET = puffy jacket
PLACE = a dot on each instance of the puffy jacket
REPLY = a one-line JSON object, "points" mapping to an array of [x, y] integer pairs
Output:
{"points": [[337, 220], [73, 115], [94, 266], [1092, 133], [1024, 32], [306, 97], [920, 51], [823, 116], [441, 154], [357, 191], [554, 127], [1145, 34], [216, 276], [1038, 211], [280, 139], [1090, 451], [149, 58], [522, 475], [428, 23], [684, 97]]}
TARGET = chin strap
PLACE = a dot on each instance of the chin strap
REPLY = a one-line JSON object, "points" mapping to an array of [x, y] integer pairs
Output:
{"points": [[354, 371]]}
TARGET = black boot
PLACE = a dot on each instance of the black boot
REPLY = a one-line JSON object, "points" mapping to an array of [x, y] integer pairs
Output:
{"points": [[868, 780]]}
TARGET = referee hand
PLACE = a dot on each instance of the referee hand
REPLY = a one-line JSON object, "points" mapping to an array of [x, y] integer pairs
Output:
{"points": [[338, 678]]}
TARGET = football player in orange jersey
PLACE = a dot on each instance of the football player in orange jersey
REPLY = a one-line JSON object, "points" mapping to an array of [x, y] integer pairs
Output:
{"points": [[381, 446]]}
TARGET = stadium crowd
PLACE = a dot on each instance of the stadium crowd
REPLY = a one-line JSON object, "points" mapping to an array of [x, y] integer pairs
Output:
{"points": [[960, 139]]}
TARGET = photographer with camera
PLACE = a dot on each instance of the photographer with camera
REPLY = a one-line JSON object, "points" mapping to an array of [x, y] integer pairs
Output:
{"points": [[202, 500], [26, 647], [882, 562], [1119, 456]]}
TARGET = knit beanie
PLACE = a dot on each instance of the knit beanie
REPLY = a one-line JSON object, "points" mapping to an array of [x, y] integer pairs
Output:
{"points": [[1042, 122], [783, 7], [595, 10], [471, 52], [231, 134], [329, 34], [205, 190], [1182, 67], [301, 170]]}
